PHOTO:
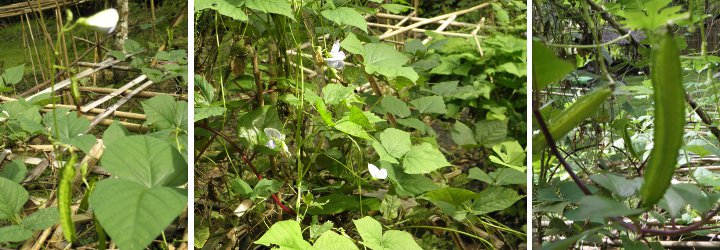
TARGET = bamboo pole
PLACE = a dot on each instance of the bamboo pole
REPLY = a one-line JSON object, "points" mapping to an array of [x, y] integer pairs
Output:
{"points": [[142, 94], [419, 19], [64, 83], [34, 45], [432, 20], [418, 30], [441, 28], [101, 117], [113, 94], [115, 67], [121, 114]]}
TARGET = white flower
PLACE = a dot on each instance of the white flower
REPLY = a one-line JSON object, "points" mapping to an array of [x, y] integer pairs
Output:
{"points": [[337, 57], [377, 173], [103, 21], [276, 138]]}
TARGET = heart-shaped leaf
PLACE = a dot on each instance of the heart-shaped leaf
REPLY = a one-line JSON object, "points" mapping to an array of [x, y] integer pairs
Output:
{"points": [[12, 198], [147, 160], [134, 214]]}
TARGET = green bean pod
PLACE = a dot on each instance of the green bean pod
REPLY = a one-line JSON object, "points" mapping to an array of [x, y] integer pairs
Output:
{"points": [[669, 123], [75, 92], [571, 117], [65, 198]]}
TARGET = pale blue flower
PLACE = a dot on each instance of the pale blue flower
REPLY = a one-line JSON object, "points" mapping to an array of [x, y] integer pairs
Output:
{"points": [[337, 57]]}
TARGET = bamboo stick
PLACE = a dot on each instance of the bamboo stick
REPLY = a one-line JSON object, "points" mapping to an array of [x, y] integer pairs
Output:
{"points": [[402, 21], [418, 30], [113, 94], [64, 83], [120, 114], [441, 28], [431, 20], [115, 67], [419, 19], [34, 45], [142, 94], [97, 120]]}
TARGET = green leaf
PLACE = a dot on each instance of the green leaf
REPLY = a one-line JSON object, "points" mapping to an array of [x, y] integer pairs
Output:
{"points": [[352, 44], [146, 160], [385, 60], [462, 135], [223, 7], [317, 229], [207, 91], [42, 218], [134, 214], [333, 241], [346, 16], [394, 106], [163, 112], [616, 184], [14, 233], [410, 184], [430, 105], [113, 132], [678, 196], [600, 207], [70, 129], [382, 153], [117, 54], [281, 7], [286, 235], [547, 68], [335, 93], [266, 187], [12, 198], [502, 176], [414, 46], [490, 132], [656, 14], [207, 112], [353, 129], [202, 234], [15, 171], [24, 119], [501, 16], [324, 112], [395, 8], [239, 186], [450, 195], [396, 142], [370, 231], [495, 198], [395, 239], [511, 155], [251, 125], [417, 124], [423, 159], [359, 117], [706, 177], [335, 203], [14, 75], [132, 47], [372, 237]]}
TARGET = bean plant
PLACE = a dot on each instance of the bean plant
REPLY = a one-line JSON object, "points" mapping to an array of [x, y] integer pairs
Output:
{"points": [[616, 161], [311, 132], [97, 186]]}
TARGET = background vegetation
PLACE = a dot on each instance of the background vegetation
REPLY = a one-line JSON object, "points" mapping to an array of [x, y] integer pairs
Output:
{"points": [[284, 141]]}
